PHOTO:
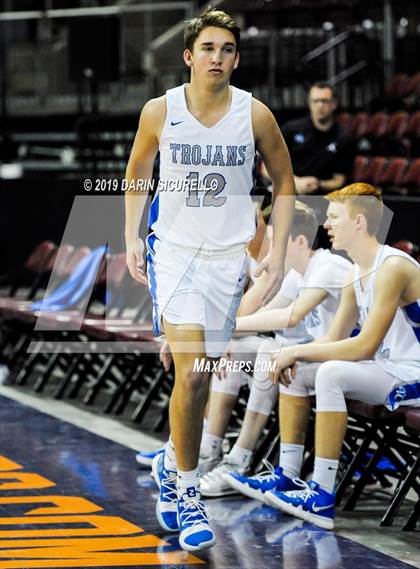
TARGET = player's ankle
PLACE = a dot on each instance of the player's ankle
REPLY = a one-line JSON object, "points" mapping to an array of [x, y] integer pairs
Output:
{"points": [[188, 481]]}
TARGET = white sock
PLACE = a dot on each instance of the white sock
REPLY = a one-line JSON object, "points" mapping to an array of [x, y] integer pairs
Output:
{"points": [[211, 445], [240, 456], [291, 458], [325, 472], [170, 459], [188, 479]]}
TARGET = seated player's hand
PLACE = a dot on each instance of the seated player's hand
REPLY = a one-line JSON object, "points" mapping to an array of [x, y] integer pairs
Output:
{"points": [[274, 266], [165, 356], [285, 367], [135, 260]]}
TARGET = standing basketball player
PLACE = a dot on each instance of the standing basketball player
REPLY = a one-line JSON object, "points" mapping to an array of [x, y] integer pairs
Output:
{"points": [[201, 220]]}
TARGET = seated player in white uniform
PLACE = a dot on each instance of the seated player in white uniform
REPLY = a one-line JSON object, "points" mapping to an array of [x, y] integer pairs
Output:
{"points": [[313, 287], [201, 220], [380, 366]]}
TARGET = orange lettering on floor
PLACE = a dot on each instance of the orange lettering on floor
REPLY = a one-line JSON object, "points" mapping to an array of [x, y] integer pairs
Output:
{"points": [[93, 553], [100, 525], [63, 504], [25, 481], [91, 550], [7, 464]]}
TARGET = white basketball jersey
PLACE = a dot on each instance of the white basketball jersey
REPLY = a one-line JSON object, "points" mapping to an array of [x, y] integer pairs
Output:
{"points": [[399, 352], [203, 199], [327, 271], [290, 289]]}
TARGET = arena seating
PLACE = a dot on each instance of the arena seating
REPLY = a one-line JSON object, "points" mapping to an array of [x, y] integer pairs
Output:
{"points": [[401, 85], [382, 133], [394, 174]]}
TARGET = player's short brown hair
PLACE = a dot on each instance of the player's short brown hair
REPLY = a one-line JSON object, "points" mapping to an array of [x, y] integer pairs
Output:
{"points": [[304, 223], [361, 198], [214, 18]]}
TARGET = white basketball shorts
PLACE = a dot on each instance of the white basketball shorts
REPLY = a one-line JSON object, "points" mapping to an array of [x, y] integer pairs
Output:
{"points": [[197, 288]]}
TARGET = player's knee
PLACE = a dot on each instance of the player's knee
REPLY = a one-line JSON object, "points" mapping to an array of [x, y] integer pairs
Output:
{"points": [[328, 375], [190, 379], [329, 391]]}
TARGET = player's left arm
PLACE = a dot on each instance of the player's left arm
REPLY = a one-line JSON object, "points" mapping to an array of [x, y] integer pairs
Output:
{"points": [[390, 283], [270, 144]]}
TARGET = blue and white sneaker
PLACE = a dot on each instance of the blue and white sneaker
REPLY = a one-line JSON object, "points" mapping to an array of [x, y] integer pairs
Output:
{"points": [[256, 486], [195, 531], [145, 458], [166, 505], [311, 503]]}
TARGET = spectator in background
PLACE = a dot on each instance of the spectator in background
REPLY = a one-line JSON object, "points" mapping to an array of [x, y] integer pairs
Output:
{"points": [[322, 153]]}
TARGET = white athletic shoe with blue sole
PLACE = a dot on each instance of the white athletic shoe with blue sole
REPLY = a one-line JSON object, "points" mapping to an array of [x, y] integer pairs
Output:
{"points": [[257, 486], [195, 532], [166, 505], [311, 503]]}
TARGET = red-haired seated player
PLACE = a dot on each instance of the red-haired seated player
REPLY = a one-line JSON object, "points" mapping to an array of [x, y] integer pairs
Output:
{"points": [[380, 366]]}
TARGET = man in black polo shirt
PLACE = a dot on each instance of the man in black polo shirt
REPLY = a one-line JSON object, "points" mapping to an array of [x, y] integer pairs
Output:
{"points": [[322, 153]]}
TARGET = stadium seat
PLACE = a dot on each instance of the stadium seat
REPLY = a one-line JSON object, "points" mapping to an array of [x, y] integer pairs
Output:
{"points": [[408, 481], [397, 124], [392, 172], [410, 178], [412, 425], [397, 85], [359, 168], [359, 124], [377, 125], [407, 246], [379, 426], [413, 85], [374, 170], [26, 282], [345, 120], [413, 127]]}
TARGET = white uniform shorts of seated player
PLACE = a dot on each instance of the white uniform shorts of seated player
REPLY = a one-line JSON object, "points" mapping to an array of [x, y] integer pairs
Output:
{"points": [[336, 380], [197, 287]]}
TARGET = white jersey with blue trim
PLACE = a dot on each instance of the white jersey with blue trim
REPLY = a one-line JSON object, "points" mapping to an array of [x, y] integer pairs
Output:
{"points": [[399, 352], [203, 198], [290, 289], [327, 271]]}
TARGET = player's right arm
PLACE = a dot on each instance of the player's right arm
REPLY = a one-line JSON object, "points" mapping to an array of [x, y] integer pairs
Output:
{"points": [[345, 319], [282, 318], [139, 168]]}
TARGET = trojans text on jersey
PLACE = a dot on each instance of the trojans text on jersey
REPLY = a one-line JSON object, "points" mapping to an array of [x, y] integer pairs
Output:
{"points": [[208, 155]]}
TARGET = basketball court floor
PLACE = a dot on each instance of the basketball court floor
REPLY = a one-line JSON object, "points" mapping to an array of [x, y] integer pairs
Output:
{"points": [[73, 496]]}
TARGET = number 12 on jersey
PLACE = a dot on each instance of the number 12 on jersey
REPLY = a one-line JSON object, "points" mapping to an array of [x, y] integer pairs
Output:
{"points": [[211, 186]]}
